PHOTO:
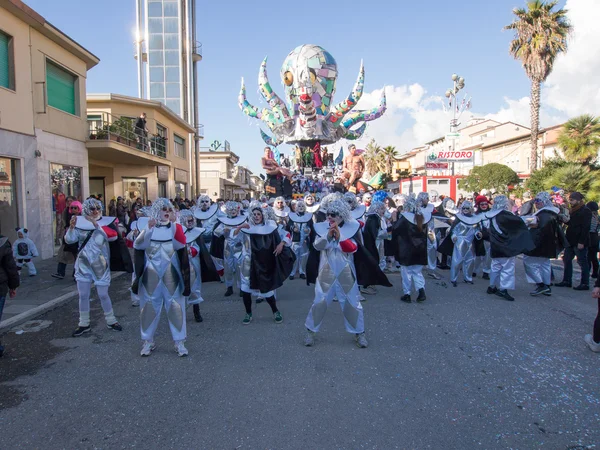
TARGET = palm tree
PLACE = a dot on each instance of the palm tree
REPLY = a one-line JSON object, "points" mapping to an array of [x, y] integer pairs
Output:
{"points": [[540, 36], [373, 157], [580, 139], [389, 155]]}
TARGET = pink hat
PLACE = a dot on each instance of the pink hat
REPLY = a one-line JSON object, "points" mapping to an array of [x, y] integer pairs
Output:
{"points": [[77, 204]]}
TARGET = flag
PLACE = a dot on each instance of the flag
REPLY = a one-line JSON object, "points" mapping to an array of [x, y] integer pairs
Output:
{"points": [[340, 157]]}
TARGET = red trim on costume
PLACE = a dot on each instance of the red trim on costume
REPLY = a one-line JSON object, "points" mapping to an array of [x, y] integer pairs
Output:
{"points": [[221, 272], [128, 243], [348, 246], [193, 251], [179, 234], [110, 233], [362, 224]]}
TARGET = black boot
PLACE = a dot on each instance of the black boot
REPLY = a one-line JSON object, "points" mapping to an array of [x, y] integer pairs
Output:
{"points": [[229, 291], [197, 314], [505, 295], [422, 297], [406, 298], [485, 276], [541, 289], [492, 289]]}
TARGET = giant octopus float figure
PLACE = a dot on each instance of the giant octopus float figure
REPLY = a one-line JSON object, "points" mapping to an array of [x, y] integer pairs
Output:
{"points": [[309, 119]]}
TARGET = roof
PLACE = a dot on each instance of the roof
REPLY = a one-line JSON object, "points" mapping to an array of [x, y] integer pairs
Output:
{"points": [[155, 104], [36, 21]]}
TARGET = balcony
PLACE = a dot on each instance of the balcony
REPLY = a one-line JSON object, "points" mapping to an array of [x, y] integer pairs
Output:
{"points": [[200, 131], [115, 139], [197, 51]]}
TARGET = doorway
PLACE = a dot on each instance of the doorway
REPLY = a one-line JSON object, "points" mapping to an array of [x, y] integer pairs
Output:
{"points": [[97, 188]]}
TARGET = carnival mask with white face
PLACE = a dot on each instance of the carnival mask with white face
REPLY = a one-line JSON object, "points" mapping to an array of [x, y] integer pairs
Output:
{"points": [[300, 208], [257, 216], [309, 200], [333, 218], [190, 222], [165, 214], [279, 204], [232, 209], [204, 203], [367, 198]]}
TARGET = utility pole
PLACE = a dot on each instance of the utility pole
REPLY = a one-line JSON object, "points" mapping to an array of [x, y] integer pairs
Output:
{"points": [[458, 85]]}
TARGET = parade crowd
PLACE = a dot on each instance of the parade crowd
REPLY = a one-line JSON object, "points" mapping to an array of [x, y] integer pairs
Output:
{"points": [[345, 245]]}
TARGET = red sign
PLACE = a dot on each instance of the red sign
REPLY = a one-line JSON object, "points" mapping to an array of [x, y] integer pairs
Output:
{"points": [[436, 165]]}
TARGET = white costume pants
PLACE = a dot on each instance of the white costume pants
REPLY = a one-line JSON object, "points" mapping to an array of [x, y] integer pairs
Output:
{"points": [[84, 288], [301, 252], [410, 275], [351, 308], [483, 264], [538, 270], [29, 264], [502, 275], [151, 309], [463, 257]]}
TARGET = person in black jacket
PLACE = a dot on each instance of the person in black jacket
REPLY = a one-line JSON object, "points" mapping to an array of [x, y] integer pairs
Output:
{"points": [[578, 235], [9, 275], [549, 241]]}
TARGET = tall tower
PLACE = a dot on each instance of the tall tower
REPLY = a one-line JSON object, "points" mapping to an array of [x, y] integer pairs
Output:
{"points": [[167, 72]]}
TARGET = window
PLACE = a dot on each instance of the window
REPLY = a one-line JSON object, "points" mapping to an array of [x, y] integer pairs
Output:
{"points": [[94, 123], [60, 85], [171, 9], [160, 141], [7, 78], [179, 145], [134, 188]]}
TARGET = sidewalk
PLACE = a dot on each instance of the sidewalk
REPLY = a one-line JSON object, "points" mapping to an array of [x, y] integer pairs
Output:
{"points": [[39, 294]]}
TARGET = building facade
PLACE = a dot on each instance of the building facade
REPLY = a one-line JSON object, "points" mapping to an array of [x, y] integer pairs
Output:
{"points": [[124, 162], [221, 177], [480, 142], [43, 157]]}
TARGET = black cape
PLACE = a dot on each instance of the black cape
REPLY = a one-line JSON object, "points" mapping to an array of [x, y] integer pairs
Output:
{"points": [[217, 246], [410, 244], [120, 259], [296, 234], [515, 238], [446, 247], [267, 271], [208, 271], [372, 226], [548, 238], [367, 268]]}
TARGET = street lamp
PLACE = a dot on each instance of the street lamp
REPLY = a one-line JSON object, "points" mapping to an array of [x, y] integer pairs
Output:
{"points": [[458, 84]]}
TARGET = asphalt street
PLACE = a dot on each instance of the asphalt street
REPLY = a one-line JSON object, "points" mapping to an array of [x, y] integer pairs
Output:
{"points": [[462, 370]]}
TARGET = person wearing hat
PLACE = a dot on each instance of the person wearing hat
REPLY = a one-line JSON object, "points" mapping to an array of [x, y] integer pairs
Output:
{"points": [[578, 235], [526, 208]]}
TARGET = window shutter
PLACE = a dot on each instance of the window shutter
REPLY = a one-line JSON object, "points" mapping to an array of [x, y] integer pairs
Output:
{"points": [[4, 61], [61, 88]]}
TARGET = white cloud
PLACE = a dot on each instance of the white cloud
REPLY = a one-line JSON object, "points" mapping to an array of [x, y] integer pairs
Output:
{"points": [[413, 117]]}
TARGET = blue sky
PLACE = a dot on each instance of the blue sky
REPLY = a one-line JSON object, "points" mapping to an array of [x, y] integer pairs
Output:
{"points": [[402, 43]]}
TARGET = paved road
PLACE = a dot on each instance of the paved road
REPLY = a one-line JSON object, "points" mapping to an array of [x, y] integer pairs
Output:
{"points": [[463, 370]]}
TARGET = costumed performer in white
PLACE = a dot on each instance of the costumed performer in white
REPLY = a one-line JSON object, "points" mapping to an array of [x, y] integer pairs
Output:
{"points": [[207, 217], [334, 261], [232, 250], [94, 260], [299, 226], [165, 279]]}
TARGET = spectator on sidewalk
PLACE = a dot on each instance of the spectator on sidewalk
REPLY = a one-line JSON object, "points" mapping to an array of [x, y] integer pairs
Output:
{"points": [[9, 276], [594, 229], [121, 210], [67, 254], [578, 235]]}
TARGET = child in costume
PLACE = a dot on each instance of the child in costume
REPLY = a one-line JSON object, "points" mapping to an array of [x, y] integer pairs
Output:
{"points": [[24, 250]]}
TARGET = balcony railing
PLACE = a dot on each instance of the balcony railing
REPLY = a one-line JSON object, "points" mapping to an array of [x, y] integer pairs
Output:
{"points": [[197, 51], [106, 127], [200, 130]]}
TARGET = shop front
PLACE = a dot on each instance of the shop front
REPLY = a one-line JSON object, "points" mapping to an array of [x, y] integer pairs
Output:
{"points": [[66, 182], [9, 204], [181, 183]]}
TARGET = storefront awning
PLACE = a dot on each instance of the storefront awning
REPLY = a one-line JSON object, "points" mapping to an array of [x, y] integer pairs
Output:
{"points": [[239, 191]]}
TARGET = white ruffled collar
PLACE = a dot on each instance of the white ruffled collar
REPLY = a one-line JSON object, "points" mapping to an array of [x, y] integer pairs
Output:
{"points": [[347, 230], [265, 229], [233, 221], [469, 220], [85, 225], [191, 234], [358, 212], [411, 217], [304, 218], [313, 208], [553, 209], [204, 215]]}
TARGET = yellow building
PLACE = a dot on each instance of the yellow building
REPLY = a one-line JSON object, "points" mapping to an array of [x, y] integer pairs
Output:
{"points": [[43, 127], [221, 177], [128, 162]]}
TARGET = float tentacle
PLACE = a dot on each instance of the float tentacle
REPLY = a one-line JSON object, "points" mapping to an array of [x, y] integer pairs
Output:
{"points": [[352, 135], [269, 95], [338, 111], [355, 117], [269, 140]]}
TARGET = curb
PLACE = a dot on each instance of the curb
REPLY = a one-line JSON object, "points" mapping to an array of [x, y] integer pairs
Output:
{"points": [[7, 324]]}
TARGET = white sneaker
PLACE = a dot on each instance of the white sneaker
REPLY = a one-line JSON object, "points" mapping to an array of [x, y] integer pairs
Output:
{"points": [[147, 348], [309, 339], [180, 349], [135, 303], [361, 340], [368, 290], [589, 340]]}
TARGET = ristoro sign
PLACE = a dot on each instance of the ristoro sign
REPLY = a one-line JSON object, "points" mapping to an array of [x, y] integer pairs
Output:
{"points": [[451, 155]]}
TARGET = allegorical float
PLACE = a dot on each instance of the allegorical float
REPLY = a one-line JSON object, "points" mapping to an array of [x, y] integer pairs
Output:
{"points": [[309, 120]]}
